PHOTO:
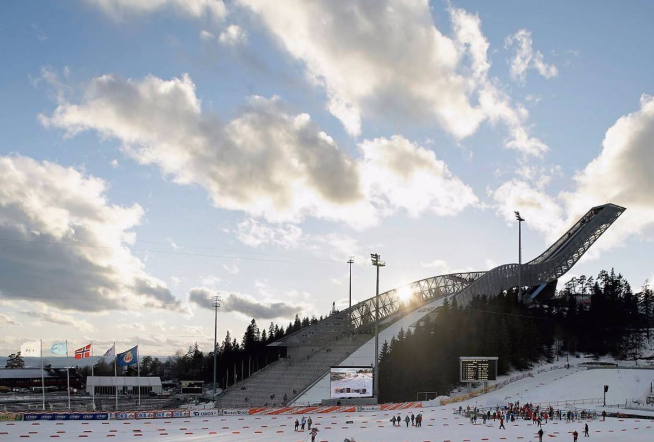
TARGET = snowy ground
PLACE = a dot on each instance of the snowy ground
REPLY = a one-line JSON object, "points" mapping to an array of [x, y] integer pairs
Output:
{"points": [[439, 424]]}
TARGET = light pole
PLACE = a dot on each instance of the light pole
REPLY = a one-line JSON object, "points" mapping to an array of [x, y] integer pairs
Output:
{"points": [[349, 314], [377, 262], [520, 220], [215, 304]]}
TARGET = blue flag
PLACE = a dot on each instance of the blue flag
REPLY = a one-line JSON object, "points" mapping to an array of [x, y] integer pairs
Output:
{"points": [[128, 357], [59, 348]]}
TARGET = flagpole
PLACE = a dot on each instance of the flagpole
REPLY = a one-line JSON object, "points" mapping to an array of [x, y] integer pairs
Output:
{"points": [[42, 377], [93, 376], [67, 375], [116, 375], [138, 373]]}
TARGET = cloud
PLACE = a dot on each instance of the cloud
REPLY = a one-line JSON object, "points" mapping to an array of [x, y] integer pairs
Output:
{"points": [[123, 9], [233, 35], [542, 212], [337, 246], [267, 161], [66, 246], [59, 318], [245, 304], [526, 58], [620, 174], [232, 269], [6, 320], [210, 280], [385, 58]]}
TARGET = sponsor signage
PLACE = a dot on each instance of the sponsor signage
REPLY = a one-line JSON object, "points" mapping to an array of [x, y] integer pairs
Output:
{"points": [[65, 416], [11, 417], [236, 412], [368, 408], [206, 413], [478, 369]]}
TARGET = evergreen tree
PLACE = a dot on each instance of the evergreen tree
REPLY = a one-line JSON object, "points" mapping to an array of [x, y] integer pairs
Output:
{"points": [[15, 360]]}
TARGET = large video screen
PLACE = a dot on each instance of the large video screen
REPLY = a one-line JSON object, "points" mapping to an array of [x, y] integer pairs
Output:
{"points": [[350, 382]]}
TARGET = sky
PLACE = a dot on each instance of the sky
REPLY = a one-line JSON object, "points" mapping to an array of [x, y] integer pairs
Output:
{"points": [[154, 154]]}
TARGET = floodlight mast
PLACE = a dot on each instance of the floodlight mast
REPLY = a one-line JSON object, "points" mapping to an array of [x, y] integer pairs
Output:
{"points": [[377, 262], [520, 220], [215, 304], [349, 314]]}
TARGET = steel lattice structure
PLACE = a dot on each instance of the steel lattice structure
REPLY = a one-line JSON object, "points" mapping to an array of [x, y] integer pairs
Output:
{"points": [[546, 268], [551, 264]]}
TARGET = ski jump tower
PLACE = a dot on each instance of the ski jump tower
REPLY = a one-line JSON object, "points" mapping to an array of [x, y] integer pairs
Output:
{"points": [[334, 339]]}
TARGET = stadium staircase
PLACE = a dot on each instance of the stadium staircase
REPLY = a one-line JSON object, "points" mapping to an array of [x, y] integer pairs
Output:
{"points": [[289, 377]]}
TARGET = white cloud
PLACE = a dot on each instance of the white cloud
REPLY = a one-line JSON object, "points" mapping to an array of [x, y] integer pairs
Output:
{"points": [[267, 161], [439, 265], [526, 58], [123, 9], [6, 320], [232, 269], [176, 280], [542, 212], [210, 280], [245, 304], [206, 35], [56, 317], [386, 58], [114, 164], [233, 35], [66, 246], [620, 174]]}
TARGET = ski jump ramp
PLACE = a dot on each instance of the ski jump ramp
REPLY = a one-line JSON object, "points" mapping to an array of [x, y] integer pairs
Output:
{"points": [[427, 294]]}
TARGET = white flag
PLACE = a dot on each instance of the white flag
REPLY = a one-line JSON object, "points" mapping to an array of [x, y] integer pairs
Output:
{"points": [[32, 348]]}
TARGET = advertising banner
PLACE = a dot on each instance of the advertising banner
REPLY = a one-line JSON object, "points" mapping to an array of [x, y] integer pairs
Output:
{"points": [[66, 416], [368, 408], [236, 412], [10, 417], [206, 413], [145, 414], [125, 415], [181, 413], [163, 414]]}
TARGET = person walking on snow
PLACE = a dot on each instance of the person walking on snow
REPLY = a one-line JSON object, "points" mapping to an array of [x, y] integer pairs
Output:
{"points": [[540, 435], [502, 423], [413, 419], [586, 431], [393, 420], [407, 420], [314, 432], [309, 422], [575, 435], [297, 424], [303, 422]]}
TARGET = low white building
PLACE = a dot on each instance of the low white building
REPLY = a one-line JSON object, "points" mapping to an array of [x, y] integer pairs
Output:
{"points": [[127, 385]]}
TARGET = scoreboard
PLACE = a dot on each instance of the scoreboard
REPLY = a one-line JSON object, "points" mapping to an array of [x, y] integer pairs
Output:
{"points": [[478, 369]]}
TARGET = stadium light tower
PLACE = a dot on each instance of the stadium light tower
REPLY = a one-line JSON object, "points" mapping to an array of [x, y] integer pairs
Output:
{"points": [[520, 220], [349, 314], [377, 262], [215, 304]]}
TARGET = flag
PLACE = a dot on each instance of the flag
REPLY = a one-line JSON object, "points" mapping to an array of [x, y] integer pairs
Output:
{"points": [[111, 351], [84, 352], [59, 348], [127, 358], [32, 348]]}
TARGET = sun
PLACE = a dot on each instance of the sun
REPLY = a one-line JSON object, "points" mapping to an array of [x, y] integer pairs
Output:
{"points": [[404, 294]]}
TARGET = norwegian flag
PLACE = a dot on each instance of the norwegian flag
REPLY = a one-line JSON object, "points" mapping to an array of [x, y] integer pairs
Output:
{"points": [[84, 352]]}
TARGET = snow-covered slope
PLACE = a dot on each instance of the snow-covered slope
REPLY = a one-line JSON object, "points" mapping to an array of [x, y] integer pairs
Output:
{"points": [[365, 355]]}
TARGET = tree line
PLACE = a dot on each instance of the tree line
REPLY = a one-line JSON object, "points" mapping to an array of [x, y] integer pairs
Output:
{"points": [[597, 316], [236, 360]]}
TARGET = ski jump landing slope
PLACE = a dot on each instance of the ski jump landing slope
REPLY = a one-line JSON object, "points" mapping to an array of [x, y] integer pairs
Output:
{"points": [[365, 355]]}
